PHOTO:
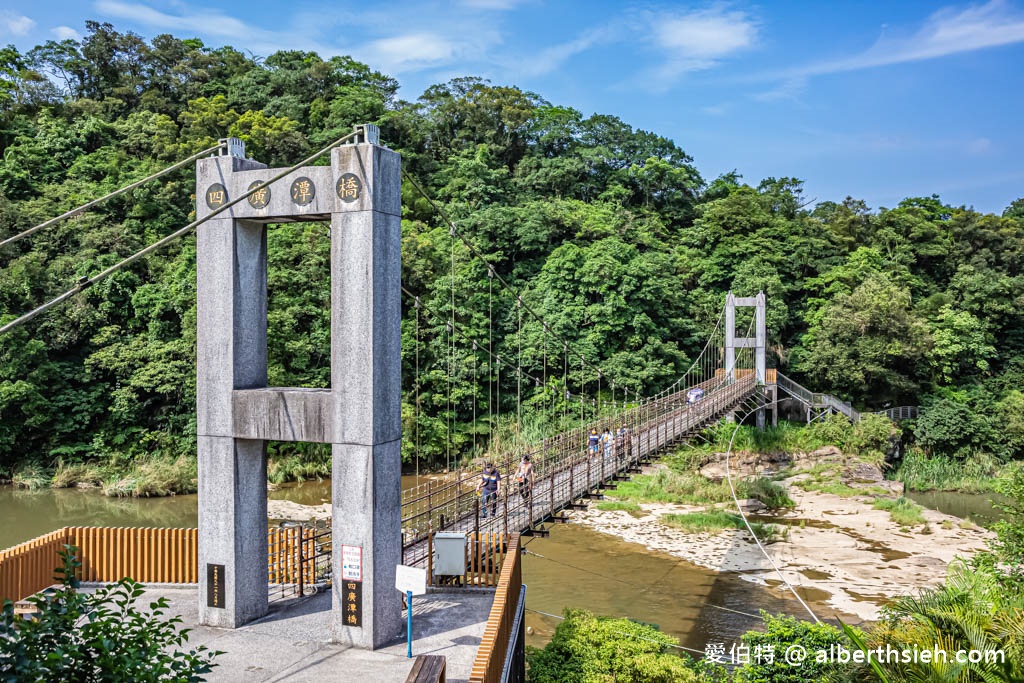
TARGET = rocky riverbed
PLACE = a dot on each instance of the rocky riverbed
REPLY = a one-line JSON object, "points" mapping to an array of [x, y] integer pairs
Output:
{"points": [[838, 550]]}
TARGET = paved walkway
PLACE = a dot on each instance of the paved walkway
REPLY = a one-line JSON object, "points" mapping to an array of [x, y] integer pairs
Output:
{"points": [[289, 644]]}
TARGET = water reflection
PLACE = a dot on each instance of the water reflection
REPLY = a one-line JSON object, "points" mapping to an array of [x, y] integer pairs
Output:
{"points": [[27, 514], [583, 568]]}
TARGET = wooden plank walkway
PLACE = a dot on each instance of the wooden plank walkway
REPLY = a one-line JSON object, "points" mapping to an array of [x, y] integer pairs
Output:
{"points": [[564, 472]]}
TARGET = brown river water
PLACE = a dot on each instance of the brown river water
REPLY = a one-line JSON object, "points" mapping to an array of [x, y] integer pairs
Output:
{"points": [[576, 567]]}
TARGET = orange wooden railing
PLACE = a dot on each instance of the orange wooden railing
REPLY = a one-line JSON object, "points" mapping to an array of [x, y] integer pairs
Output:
{"points": [[490, 657], [109, 554]]}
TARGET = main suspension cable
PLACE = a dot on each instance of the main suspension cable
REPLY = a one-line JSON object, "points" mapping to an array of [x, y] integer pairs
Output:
{"points": [[95, 202], [86, 282]]}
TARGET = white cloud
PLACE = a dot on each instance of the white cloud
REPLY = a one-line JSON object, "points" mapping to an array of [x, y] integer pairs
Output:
{"points": [[551, 58], [65, 33], [946, 32], [700, 39], [409, 52], [204, 22], [16, 24]]}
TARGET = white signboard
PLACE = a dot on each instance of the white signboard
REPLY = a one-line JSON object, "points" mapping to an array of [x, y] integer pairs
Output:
{"points": [[352, 563], [411, 579]]}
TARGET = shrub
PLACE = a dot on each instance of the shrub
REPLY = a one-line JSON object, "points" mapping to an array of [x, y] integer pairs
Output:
{"points": [[782, 632], [592, 649], [773, 495], [870, 438], [832, 429], [99, 637]]}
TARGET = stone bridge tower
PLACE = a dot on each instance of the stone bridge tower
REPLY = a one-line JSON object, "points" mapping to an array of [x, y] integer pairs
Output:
{"points": [[359, 414]]}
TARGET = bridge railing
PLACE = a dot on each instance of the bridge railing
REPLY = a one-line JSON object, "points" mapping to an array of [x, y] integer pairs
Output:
{"points": [[563, 469], [498, 634]]}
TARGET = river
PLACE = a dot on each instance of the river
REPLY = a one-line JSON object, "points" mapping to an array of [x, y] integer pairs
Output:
{"points": [[576, 567]]}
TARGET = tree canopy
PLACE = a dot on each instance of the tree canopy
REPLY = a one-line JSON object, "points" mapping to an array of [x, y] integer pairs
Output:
{"points": [[609, 232]]}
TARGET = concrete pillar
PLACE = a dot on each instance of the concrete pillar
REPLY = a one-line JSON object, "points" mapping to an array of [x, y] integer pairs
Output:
{"points": [[366, 362], [231, 353], [730, 336], [760, 338]]}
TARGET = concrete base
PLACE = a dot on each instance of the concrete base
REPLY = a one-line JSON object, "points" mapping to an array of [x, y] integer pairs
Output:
{"points": [[290, 642], [367, 507], [233, 528]]}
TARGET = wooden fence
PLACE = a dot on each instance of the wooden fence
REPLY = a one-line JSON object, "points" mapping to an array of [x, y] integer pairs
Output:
{"points": [[490, 657], [109, 554]]}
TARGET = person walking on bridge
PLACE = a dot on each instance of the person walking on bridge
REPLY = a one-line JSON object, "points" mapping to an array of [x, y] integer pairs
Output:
{"points": [[593, 443], [621, 443], [524, 477], [606, 439], [490, 488]]}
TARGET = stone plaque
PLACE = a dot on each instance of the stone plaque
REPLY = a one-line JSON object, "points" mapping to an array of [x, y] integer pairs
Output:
{"points": [[349, 187], [216, 196], [215, 585], [352, 594], [260, 198], [303, 191]]}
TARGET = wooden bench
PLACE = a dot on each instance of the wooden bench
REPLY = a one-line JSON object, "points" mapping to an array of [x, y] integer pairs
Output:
{"points": [[427, 669]]}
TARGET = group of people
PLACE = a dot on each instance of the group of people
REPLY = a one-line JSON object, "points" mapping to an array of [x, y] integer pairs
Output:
{"points": [[618, 443], [489, 488]]}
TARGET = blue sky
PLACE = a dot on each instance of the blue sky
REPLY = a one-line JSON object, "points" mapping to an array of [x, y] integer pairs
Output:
{"points": [[878, 100]]}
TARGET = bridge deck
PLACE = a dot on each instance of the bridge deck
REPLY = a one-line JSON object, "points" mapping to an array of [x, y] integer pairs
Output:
{"points": [[564, 472]]}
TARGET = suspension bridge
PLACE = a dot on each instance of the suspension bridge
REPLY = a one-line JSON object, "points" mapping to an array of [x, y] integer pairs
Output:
{"points": [[375, 525]]}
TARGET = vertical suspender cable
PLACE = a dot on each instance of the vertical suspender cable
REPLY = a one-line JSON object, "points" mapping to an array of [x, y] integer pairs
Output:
{"points": [[519, 364], [490, 355], [416, 424]]}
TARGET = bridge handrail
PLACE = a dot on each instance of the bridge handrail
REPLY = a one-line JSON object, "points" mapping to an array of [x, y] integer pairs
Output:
{"points": [[814, 399], [900, 413], [653, 425]]}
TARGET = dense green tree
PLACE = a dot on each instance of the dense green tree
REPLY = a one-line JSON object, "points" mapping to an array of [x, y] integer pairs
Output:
{"points": [[609, 232]]}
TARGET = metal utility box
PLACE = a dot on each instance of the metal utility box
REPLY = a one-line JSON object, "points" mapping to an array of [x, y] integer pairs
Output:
{"points": [[450, 553]]}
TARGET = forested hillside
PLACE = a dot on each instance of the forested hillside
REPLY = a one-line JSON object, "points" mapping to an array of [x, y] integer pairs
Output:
{"points": [[611, 233]]}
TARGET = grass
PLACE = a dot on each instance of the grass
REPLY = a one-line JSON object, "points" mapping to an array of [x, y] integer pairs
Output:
{"points": [[154, 477], [692, 488], [667, 486], [624, 505], [835, 487], [770, 493], [310, 461], [68, 475], [32, 477], [714, 521], [902, 511], [919, 472], [786, 437]]}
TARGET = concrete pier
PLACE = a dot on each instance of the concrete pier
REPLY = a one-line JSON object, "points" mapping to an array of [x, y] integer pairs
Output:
{"points": [[359, 414]]}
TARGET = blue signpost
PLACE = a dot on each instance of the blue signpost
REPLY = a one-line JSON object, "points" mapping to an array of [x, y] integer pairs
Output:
{"points": [[411, 581], [408, 635]]}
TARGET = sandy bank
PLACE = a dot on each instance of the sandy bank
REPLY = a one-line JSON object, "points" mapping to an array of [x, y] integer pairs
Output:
{"points": [[846, 555]]}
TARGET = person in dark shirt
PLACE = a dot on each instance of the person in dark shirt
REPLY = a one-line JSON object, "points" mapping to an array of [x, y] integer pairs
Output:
{"points": [[594, 442], [489, 488]]}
